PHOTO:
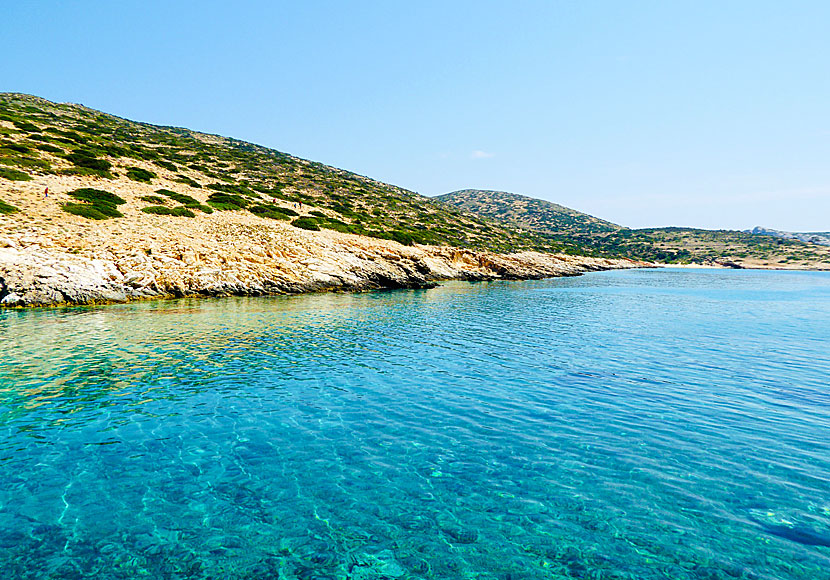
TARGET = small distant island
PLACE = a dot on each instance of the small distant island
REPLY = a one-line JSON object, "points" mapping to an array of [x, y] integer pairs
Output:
{"points": [[95, 208]]}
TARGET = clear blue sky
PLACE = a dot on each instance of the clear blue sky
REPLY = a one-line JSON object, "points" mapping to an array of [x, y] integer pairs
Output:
{"points": [[710, 114]]}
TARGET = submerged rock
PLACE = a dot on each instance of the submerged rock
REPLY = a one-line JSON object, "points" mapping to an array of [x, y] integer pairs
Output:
{"points": [[800, 527]]}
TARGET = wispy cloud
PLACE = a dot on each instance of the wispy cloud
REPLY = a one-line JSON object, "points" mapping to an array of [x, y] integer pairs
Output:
{"points": [[478, 154]]}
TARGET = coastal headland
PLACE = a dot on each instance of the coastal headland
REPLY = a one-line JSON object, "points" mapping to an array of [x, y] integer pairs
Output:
{"points": [[49, 257]]}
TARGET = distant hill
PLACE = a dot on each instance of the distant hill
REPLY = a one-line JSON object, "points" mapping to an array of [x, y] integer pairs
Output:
{"points": [[527, 212], [667, 245], [820, 238]]}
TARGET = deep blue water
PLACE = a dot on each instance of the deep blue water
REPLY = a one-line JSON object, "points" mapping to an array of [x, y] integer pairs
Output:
{"points": [[620, 425]]}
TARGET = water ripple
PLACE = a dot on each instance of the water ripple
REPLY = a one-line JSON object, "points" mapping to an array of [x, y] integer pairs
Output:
{"points": [[620, 425]]}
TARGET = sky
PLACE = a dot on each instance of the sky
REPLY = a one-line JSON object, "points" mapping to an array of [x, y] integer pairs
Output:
{"points": [[645, 113]]}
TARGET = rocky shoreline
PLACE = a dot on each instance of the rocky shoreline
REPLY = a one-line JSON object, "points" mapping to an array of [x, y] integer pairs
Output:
{"points": [[35, 275]]}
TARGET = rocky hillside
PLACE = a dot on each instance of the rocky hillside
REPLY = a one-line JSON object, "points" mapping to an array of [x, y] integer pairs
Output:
{"points": [[94, 208], [39, 138], [667, 245]]}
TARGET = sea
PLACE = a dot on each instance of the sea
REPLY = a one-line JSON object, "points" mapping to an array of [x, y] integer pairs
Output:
{"points": [[637, 424]]}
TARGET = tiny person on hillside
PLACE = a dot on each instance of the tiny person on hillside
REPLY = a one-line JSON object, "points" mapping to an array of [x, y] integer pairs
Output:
{"points": [[46, 192]]}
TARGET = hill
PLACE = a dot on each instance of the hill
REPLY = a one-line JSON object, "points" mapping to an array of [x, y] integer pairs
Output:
{"points": [[94, 207], [667, 245], [527, 212]]}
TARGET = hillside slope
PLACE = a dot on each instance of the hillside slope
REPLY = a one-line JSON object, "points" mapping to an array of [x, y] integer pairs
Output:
{"points": [[40, 138], [667, 245]]}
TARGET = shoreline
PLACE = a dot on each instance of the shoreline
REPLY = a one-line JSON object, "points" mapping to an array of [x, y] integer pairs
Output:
{"points": [[252, 264]]}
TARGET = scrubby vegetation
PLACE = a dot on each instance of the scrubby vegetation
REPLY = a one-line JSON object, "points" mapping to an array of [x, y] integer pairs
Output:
{"points": [[272, 211], [14, 174], [306, 223], [88, 160], [154, 199], [7, 208], [89, 211], [99, 204], [139, 174], [164, 210]]}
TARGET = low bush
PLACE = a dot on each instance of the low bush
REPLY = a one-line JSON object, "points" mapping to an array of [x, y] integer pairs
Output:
{"points": [[49, 148], [165, 164], [318, 214], [86, 210], [14, 174], [227, 201], [139, 174], [99, 205], [86, 171], [7, 208], [174, 211], [154, 199], [97, 196], [21, 161], [271, 211], [88, 160], [231, 188], [306, 223], [345, 228], [26, 126], [180, 197], [187, 181], [201, 207], [18, 147]]}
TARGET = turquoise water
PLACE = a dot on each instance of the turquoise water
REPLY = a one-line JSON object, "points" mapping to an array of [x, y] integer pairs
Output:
{"points": [[620, 425]]}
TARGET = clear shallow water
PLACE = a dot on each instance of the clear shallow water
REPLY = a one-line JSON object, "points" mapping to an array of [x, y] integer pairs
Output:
{"points": [[639, 424]]}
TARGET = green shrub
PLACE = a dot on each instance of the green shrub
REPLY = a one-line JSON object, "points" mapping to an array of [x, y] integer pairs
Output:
{"points": [[26, 126], [139, 174], [345, 228], [165, 164], [14, 174], [20, 161], [154, 199], [97, 196], [187, 181], [49, 148], [85, 210], [112, 150], [227, 201], [88, 160], [86, 171], [18, 147], [7, 208], [180, 197], [271, 211], [306, 223], [318, 213], [202, 208], [231, 188], [174, 211]]}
